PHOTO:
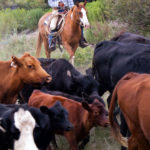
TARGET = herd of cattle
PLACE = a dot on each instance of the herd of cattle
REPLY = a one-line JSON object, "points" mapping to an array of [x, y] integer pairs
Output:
{"points": [[55, 98]]}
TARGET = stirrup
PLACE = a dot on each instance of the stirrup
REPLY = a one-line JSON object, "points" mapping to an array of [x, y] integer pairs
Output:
{"points": [[52, 46], [83, 43]]}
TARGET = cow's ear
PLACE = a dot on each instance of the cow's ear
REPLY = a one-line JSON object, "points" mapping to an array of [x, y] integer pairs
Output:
{"points": [[26, 54], [85, 2], [76, 78], [68, 73], [2, 125], [77, 4], [86, 106], [58, 104], [96, 101], [15, 62], [44, 109]]}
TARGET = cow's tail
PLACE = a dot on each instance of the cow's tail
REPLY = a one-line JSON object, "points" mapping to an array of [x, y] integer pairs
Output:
{"points": [[39, 45], [115, 128]]}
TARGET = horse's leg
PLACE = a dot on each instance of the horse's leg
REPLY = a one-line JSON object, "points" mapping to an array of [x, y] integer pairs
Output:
{"points": [[70, 51], [39, 45], [46, 46], [74, 48]]}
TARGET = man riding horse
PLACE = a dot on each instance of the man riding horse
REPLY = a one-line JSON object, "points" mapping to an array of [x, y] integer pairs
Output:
{"points": [[61, 7]]}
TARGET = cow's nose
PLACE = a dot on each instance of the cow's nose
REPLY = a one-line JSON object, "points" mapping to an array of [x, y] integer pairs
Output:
{"points": [[70, 127], [48, 79], [106, 113], [107, 124]]}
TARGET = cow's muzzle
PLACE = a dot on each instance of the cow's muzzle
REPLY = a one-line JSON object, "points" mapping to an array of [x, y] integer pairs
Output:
{"points": [[48, 79]]}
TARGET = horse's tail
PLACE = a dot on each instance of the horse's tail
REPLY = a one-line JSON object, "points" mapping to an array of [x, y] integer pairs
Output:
{"points": [[115, 128], [39, 45]]}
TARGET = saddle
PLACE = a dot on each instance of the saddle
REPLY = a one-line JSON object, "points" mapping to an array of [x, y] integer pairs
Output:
{"points": [[60, 22]]}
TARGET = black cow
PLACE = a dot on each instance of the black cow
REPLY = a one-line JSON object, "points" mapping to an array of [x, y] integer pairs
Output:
{"points": [[65, 78], [39, 124], [112, 60], [127, 37]]}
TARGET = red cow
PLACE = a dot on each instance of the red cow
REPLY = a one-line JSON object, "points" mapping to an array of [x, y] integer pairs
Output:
{"points": [[133, 93], [83, 116], [15, 73]]}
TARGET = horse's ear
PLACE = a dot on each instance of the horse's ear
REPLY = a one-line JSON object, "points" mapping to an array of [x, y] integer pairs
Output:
{"points": [[77, 4], [85, 2]]}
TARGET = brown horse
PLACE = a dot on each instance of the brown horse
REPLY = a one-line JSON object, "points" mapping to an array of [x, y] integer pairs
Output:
{"points": [[71, 33]]}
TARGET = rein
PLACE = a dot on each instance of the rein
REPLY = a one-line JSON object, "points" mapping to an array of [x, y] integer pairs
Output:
{"points": [[78, 21]]}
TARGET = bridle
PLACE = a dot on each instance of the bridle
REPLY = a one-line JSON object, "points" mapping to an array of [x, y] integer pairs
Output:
{"points": [[78, 21]]}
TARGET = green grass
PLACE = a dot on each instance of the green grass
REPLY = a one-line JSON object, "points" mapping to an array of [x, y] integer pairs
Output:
{"points": [[18, 44], [100, 139]]}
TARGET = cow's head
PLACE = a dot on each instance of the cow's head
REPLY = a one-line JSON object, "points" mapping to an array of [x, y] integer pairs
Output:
{"points": [[86, 87], [58, 116], [85, 83], [7, 126], [98, 115], [25, 123], [29, 70]]}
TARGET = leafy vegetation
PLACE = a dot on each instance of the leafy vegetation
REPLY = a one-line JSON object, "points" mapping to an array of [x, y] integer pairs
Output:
{"points": [[14, 21], [134, 12], [28, 4]]}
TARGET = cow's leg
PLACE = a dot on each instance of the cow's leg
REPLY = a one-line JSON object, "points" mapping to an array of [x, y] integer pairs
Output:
{"points": [[70, 51], [137, 135], [143, 144], [84, 142], [54, 142], [123, 128], [49, 148], [46, 46], [72, 141], [132, 143], [39, 45], [138, 142]]}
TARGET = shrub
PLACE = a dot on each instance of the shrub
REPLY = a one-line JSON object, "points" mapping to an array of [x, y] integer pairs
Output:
{"points": [[98, 10], [134, 12], [18, 20], [28, 4], [103, 31], [32, 17]]}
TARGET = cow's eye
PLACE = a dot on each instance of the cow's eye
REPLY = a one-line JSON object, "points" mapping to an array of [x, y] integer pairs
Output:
{"points": [[30, 66], [80, 13], [96, 113]]}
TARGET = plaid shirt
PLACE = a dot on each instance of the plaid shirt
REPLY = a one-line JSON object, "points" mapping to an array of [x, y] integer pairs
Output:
{"points": [[54, 3]]}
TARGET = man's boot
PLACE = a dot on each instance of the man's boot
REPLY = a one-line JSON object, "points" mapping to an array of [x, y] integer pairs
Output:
{"points": [[51, 42], [83, 43]]}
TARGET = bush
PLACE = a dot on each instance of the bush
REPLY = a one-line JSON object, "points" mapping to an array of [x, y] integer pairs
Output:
{"points": [[28, 4], [98, 14], [18, 20], [98, 10], [32, 17], [134, 12]]}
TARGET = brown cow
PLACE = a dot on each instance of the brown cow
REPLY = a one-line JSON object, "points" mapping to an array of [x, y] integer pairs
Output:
{"points": [[15, 73], [133, 94], [83, 116]]}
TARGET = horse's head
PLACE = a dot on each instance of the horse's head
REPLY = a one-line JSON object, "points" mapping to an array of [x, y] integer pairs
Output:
{"points": [[80, 13]]}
